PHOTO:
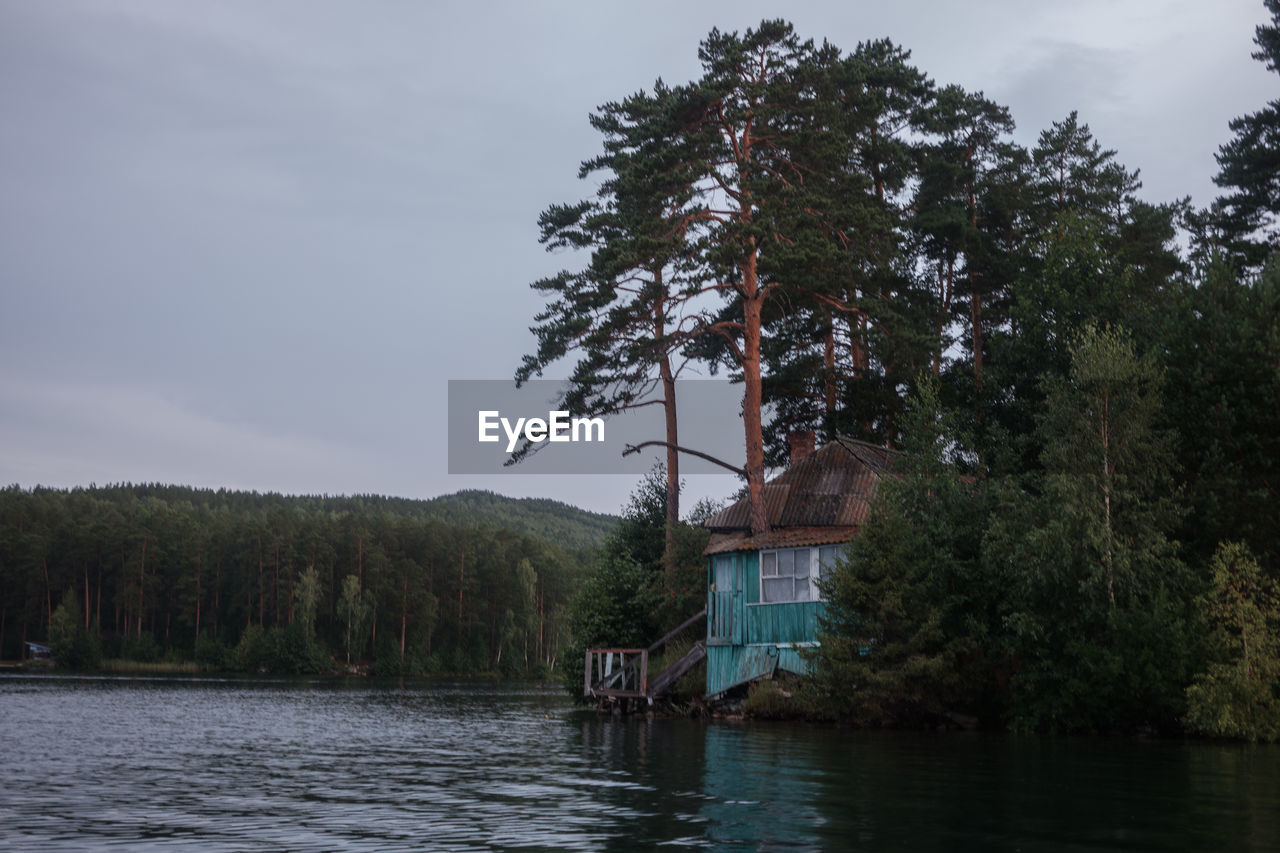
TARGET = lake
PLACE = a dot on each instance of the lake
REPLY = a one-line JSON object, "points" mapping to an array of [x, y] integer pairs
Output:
{"points": [[234, 765]]}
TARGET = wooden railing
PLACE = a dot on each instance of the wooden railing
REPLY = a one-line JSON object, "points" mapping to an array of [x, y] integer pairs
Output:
{"points": [[624, 673], [723, 625], [616, 672]]}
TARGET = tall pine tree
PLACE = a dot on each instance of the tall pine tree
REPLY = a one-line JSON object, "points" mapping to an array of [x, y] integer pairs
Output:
{"points": [[1249, 166]]}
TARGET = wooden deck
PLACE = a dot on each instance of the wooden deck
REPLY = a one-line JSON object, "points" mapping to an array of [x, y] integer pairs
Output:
{"points": [[624, 673]]}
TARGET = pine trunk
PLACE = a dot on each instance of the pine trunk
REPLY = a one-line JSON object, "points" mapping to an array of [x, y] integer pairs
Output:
{"points": [[752, 395], [142, 576]]}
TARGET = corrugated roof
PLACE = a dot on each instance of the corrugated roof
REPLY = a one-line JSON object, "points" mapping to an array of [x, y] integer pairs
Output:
{"points": [[829, 488], [782, 537]]}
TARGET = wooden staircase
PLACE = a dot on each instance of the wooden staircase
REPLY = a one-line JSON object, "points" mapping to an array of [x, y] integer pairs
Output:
{"points": [[629, 678], [667, 679]]}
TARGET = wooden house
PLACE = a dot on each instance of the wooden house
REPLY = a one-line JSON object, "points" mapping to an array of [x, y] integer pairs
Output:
{"points": [[763, 600]]}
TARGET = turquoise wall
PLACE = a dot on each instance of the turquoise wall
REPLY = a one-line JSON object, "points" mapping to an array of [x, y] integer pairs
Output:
{"points": [[782, 623], [758, 630], [728, 666]]}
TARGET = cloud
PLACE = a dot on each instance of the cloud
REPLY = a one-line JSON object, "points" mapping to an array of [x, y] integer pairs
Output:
{"points": [[271, 232]]}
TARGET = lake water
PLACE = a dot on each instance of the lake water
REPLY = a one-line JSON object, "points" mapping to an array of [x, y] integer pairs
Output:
{"points": [[146, 764]]}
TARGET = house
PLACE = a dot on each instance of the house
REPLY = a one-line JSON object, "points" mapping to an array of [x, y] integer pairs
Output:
{"points": [[763, 600]]}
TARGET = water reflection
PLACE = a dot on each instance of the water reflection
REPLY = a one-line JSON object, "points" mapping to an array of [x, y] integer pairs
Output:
{"points": [[324, 765], [773, 786]]}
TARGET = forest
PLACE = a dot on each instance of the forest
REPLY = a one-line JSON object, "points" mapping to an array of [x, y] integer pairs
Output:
{"points": [[1085, 385], [165, 575]]}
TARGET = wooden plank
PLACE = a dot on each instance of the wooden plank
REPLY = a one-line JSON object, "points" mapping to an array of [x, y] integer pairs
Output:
{"points": [[598, 682], [790, 622], [685, 624], [620, 694], [669, 676]]}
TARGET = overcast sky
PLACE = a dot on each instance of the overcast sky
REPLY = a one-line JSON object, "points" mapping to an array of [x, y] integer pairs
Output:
{"points": [[246, 244]]}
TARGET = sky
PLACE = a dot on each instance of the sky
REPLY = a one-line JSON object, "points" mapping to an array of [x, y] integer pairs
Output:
{"points": [[247, 244]]}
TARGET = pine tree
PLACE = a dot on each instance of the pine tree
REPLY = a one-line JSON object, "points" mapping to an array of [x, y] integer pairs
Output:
{"points": [[1249, 166], [1222, 336], [624, 313], [962, 211], [904, 636], [1093, 254], [848, 330]]}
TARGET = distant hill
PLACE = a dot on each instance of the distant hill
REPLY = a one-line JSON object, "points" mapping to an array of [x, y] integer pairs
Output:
{"points": [[551, 520]]}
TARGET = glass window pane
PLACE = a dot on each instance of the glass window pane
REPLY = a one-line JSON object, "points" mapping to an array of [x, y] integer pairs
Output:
{"points": [[724, 571], [802, 590], [769, 563], [786, 563], [777, 589], [802, 562]]}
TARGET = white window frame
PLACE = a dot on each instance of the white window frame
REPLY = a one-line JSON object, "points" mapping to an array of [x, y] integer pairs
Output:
{"points": [[816, 568]]}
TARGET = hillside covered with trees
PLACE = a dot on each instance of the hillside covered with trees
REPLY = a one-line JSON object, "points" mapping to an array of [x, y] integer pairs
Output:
{"points": [[252, 582], [542, 518]]}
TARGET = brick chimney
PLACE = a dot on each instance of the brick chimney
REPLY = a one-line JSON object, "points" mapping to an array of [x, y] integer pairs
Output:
{"points": [[801, 445]]}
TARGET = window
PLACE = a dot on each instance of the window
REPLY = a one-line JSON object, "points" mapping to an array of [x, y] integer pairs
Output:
{"points": [[792, 574]]}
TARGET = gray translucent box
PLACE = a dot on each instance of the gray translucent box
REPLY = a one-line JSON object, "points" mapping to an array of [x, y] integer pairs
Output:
{"points": [[490, 418]]}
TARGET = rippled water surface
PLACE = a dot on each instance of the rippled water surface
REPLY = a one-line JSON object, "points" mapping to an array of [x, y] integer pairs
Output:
{"points": [[140, 764]]}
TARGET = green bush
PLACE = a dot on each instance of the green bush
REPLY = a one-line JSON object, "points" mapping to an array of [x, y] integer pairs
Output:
{"points": [[288, 651], [785, 698], [143, 649], [1236, 695], [767, 700], [390, 662], [250, 653], [74, 646], [212, 653]]}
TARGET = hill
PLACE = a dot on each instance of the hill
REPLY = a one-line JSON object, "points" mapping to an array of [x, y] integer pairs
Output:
{"points": [[543, 518], [552, 521]]}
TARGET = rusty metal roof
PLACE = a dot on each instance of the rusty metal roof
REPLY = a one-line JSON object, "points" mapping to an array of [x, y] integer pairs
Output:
{"points": [[829, 488], [782, 537]]}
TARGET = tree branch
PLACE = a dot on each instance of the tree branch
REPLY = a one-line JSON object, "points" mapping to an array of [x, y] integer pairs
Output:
{"points": [[635, 448]]}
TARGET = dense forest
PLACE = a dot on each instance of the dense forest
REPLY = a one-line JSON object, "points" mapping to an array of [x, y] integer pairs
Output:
{"points": [[467, 583], [1085, 534]]}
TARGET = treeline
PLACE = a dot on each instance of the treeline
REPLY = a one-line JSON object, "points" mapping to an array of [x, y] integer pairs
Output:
{"points": [[246, 581]]}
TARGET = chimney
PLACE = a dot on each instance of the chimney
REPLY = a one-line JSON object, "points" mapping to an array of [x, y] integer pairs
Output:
{"points": [[801, 445]]}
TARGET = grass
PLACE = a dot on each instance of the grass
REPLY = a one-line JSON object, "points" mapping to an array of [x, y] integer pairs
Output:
{"points": [[784, 697], [693, 684]]}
